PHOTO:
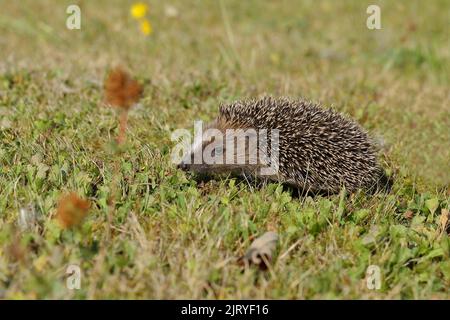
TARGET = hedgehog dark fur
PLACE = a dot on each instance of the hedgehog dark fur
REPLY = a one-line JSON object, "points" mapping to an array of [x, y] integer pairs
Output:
{"points": [[320, 150]]}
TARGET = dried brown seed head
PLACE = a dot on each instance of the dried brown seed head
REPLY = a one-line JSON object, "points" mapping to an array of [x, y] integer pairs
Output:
{"points": [[71, 210], [121, 91]]}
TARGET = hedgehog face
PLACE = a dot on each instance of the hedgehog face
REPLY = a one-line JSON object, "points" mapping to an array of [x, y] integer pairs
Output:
{"points": [[205, 155], [222, 151]]}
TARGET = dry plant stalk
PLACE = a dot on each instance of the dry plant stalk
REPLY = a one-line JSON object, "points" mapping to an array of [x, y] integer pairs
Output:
{"points": [[15, 251], [121, 92]]}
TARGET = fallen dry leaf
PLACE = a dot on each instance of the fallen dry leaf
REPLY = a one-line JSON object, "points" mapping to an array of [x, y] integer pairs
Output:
{"points": [[261, 251]]}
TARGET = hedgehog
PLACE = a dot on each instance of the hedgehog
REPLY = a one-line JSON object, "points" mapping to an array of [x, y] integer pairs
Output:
{"points": [[291, 141]]}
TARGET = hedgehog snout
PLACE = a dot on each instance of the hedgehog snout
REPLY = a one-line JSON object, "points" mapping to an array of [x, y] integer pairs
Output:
{"points": [[183, 166]]}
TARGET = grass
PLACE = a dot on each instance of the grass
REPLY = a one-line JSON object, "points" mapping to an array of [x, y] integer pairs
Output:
{"points": [[172, 237]]}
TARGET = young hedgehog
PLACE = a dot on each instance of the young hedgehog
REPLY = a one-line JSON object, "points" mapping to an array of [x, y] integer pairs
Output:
{"points": [[319, 150]]}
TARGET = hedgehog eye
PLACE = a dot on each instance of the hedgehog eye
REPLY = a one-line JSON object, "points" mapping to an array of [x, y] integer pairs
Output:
{"points": [[218, 151]]}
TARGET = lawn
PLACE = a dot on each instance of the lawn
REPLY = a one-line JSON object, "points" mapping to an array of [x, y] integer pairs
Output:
{"points": [[166, 235]]}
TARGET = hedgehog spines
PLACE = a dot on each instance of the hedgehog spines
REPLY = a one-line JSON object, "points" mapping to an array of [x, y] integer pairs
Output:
{"points": [[319, 148]]}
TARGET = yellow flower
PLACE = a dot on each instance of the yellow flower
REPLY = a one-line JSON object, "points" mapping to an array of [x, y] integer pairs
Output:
{"points": [[146, 27], [139, 10]]}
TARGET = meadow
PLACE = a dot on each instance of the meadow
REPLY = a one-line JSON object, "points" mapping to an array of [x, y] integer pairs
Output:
{"points": [[172, 237]]}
